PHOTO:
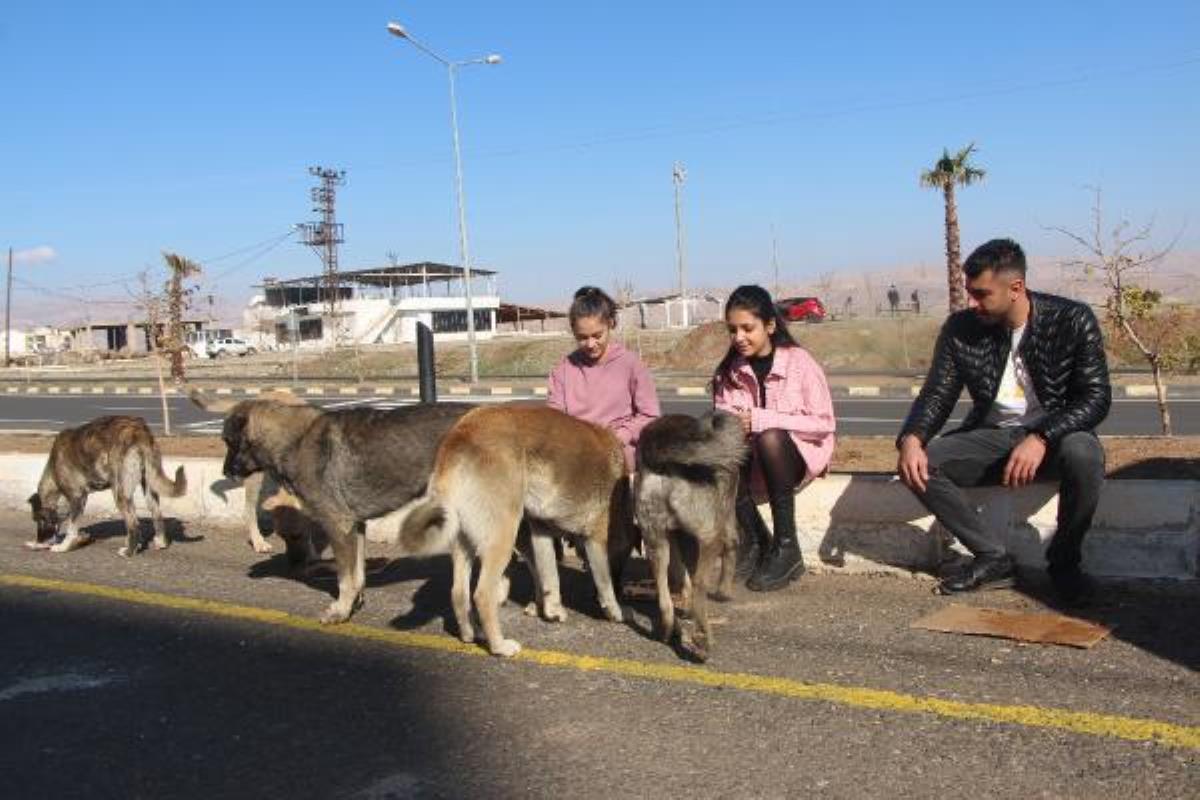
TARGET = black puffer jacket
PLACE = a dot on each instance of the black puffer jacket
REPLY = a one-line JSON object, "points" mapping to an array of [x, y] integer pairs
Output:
{"points": [[1063, 350]]}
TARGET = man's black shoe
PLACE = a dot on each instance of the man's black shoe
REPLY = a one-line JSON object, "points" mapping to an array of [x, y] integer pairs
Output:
{"points": [[1071, 586], [994, 572]]}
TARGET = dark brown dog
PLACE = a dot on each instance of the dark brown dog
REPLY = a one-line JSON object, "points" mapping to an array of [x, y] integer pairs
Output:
{"points": [[687, 483], [117, 453]]}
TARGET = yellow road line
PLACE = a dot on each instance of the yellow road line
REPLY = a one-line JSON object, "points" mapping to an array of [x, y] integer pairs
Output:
{"points": [[1084, 722]]}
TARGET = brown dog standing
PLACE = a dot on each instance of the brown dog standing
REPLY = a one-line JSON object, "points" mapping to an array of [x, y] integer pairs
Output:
{"points": [[109, 452]]}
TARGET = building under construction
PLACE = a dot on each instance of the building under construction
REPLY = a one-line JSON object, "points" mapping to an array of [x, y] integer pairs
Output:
{"points": [[376, 306]]}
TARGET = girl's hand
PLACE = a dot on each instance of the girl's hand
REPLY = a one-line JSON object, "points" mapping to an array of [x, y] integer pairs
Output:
{"points": [[744, 416]]}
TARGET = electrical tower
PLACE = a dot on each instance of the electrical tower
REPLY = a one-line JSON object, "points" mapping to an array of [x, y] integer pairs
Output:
{"points": [[324, 238]]}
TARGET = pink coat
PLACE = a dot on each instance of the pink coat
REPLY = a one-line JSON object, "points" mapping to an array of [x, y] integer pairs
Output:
{"points": [[617, 393], [798, 402]]}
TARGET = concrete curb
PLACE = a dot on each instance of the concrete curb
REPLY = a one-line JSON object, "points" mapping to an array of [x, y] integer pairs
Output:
{"points": [[846, 523]]}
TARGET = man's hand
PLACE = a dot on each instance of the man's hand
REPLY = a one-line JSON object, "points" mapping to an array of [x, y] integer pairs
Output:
{"points": [[1024, 461], [913, 464]]}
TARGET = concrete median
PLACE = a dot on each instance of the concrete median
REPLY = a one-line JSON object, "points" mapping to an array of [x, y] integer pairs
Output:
{"points": [[847, 522]]}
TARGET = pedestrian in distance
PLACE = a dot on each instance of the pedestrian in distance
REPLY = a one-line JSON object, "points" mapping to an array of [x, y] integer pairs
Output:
{"points": [[893, 296]]}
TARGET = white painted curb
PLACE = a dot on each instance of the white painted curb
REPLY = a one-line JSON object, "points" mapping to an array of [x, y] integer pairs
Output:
{"points": [[854, 523]]}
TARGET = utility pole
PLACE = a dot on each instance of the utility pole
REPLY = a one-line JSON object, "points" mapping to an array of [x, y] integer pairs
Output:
{"points": [[775, 259], [8, 315], [678, 175], [324, 237]]}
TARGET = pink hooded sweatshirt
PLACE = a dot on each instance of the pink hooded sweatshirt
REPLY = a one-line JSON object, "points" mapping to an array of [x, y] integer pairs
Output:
{"points": [[798, 402], [617, 393]]}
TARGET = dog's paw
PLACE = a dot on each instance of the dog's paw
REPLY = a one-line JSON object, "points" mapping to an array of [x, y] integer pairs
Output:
{"points": [[506, 648], [36, 545], [334, 615], [261, 546], [555, 613], [467, 635], [70, 543], [161, 544], [614, 613], [123, 551], [531, 609]]}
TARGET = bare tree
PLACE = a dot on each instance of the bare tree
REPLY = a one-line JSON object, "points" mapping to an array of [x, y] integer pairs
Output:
{"points": [[152, 305], [1120, 257]]}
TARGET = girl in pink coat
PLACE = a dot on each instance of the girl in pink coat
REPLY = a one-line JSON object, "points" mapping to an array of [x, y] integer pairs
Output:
{"points": [[601, 381], [782, 398]]}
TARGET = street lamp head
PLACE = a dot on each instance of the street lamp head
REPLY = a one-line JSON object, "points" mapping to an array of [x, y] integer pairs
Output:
{"points": [[396, 29], [492, 59]]}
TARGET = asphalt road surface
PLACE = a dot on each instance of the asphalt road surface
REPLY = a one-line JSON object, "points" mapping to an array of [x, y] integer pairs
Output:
{"points": [[865, 417], [198, 672]]}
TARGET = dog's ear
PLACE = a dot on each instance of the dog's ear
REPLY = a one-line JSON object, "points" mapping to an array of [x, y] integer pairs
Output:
{"points": [[35, 500], [209, 404]]}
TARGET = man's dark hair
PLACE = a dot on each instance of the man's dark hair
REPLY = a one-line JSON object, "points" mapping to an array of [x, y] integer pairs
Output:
{"points": [[998, 255]]}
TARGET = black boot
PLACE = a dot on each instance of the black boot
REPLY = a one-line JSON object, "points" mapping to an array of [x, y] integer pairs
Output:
{"points": [[783, 563], [754, 538]]}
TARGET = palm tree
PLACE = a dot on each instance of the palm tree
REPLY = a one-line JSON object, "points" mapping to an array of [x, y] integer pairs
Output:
{"points": [[177, 297], [950, 171]]}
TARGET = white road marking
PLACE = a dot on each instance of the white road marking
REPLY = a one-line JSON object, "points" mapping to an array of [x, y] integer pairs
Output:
{"points": [[67, 682]]}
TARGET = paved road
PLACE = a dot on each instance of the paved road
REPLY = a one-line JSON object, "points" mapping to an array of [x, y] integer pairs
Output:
{"points": [[116, 682], [871, 417]]}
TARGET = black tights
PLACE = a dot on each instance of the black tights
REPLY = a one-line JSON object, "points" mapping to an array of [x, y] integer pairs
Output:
{"points": [[783, 468]]}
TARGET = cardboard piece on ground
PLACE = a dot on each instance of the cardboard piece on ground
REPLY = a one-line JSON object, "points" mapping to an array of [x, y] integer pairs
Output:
{"points": [[1045, 628]]}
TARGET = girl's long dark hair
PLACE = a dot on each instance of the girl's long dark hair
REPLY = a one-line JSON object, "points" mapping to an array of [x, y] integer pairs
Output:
{"points": [[758, 302]]}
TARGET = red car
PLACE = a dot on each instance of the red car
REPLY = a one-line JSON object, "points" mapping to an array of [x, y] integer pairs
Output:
{"points": [[801, 309]]}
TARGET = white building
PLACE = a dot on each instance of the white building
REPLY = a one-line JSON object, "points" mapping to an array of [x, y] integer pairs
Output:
{"points": [[375, 306]]}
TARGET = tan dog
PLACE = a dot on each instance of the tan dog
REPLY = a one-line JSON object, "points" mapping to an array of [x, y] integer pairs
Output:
{"points": [[109, 452], [502, 462]]}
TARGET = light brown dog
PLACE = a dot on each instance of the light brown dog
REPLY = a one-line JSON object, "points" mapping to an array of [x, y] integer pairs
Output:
{"points": [[499, 463], [117, 453]]}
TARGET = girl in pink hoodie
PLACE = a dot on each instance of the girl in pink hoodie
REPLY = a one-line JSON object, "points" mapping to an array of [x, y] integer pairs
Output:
{"points": [[601, 381], [782, 398]]}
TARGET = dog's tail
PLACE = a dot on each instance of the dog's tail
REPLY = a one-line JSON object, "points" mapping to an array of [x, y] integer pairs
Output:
{"points": [[215, 406], [714, 441], [427, 527], [157, 480]]}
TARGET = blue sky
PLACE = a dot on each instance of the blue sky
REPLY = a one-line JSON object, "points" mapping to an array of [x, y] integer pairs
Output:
{"points": [[130, 128]]}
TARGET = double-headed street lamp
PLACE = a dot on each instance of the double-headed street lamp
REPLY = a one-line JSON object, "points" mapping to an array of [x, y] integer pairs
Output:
{"points": [[396, 29]]}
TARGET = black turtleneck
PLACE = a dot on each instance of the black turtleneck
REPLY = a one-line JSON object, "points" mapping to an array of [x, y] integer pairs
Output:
{"points": [[762, 367]]}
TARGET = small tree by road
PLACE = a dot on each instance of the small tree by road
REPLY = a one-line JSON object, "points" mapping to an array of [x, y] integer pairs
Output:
{"points": [[1124, 259]]}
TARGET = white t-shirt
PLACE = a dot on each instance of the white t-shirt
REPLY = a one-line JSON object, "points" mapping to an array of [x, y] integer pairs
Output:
{"points": [[1016, 401]]}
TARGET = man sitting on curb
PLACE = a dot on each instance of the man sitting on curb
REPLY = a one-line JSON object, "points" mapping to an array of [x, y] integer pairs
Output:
{"points": [[1035, 369]]}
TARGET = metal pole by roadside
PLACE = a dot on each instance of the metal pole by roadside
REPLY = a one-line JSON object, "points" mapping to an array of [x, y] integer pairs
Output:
{"points": [[425, 364]]}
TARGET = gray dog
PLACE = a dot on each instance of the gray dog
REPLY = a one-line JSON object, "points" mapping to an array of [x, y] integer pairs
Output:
{"points": [[345, 467], [687, 482]]}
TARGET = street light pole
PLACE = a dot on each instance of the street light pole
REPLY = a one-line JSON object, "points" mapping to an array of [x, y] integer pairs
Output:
{"points": [[7, 315], [678, 174], [463, 239]]}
